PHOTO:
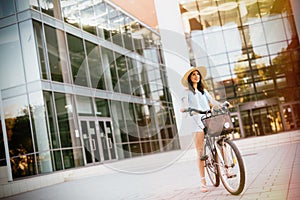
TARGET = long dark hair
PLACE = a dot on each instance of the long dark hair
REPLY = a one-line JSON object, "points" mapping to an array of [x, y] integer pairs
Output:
{"points": [[200, 85]]}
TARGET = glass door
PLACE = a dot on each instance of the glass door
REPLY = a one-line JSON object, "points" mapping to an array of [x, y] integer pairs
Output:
{"points": [[90, 141], [261, 121], [107, 139]]}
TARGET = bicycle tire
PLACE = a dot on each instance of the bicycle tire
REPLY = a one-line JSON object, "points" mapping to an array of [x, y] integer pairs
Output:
{"points": [[235, 183], [211, 168]]}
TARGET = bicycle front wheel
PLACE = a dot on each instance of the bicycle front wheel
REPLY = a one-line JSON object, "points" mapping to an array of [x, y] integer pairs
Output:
{"points": [[231, 167], [211, 167]]}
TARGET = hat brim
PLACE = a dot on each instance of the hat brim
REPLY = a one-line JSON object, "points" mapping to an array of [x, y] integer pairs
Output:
{"points": [[201, 69]]}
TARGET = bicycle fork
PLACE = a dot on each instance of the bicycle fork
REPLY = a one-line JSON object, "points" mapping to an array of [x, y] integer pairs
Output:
{"points": [[222, 154]]}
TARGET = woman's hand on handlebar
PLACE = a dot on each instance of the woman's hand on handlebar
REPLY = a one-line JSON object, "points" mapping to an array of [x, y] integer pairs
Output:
{"points": [[226, 104]]}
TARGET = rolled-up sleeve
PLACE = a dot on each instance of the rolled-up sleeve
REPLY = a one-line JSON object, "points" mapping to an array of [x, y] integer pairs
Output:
{"points": [[211, 100]]}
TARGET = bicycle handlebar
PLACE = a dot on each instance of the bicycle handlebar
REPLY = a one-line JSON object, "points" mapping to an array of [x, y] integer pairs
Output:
{"points": [[224, 108], [190, 110]]}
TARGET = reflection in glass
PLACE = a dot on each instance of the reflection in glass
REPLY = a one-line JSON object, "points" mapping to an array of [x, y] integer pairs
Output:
{"points": [[84, 105], [50, 7], [102, 107], [38, 118], [11, 67], [88, 18], [56, 52], [108, 65], [101, 20], [135, 76], [2, 149], [123, 78], [77, 58], [7, 8], [71, 13], [63, 119], [44, 162], [51, 121], [19, 136], [57, 159], [24, 165], [38, 35], [72, 158], [95, 65], [26, 4], [18, 126], [29, 57]]}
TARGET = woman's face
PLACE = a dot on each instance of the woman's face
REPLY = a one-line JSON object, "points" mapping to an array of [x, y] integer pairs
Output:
{"points": [[195, 76]]}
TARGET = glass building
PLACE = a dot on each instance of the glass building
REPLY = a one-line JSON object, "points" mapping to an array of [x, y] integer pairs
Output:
{"points": [[81, 83], [251, 50]]}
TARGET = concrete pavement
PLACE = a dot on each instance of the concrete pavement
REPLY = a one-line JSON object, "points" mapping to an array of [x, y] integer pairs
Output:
{"points": [[272, 173]]}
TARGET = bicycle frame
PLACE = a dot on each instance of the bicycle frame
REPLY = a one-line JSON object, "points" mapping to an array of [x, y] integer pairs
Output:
{"points": [[223, 160]]}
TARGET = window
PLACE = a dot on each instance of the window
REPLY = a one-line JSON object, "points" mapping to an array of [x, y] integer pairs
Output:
{"points": [[11, 67], [97, 74], [77, 58], [56, 53]]}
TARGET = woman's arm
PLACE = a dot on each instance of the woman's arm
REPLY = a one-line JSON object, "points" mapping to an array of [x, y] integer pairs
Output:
{"points": [[211, 100], [184, 101]]}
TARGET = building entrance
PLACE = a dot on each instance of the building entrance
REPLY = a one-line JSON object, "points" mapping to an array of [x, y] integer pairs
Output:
{"points": [[98, 140], [260, 118]]}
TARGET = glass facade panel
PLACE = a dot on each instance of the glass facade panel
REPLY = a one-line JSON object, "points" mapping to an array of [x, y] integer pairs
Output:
{"points": [[51, 121], [29, 56], [84, 105], [110, 73], [123, 78], [23, 166], [40, 48], [70, 12], [50, 7], [2, 149], [72, 158], [56, 54], [78, 61], [102, 108], [19, 136], [63, 119], [95, 65], [88, 18], [275, 30], [127, 33], [44, 162], [115, 18], [57, 160], [26, 4], [101, 20], [11, 58], [38, 119], [7, 8], [135, 76], [18, 126], [137, 38]]}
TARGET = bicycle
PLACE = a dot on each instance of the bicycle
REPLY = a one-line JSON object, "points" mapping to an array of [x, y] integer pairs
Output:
{"points": [[222, 157]]}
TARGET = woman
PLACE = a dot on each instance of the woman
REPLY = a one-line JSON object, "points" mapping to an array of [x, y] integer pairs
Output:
{"points": [[197, 97]]}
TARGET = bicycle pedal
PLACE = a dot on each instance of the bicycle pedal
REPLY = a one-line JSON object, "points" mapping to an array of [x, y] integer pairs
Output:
{"points": [[204, 157]]}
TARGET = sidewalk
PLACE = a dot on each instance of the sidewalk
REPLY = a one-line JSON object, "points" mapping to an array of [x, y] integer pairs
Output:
{"points": [[272, 173]]}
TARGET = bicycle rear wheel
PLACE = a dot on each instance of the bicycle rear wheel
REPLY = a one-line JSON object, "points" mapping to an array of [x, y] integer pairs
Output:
{"points": [[210, 166], [231, 167]]}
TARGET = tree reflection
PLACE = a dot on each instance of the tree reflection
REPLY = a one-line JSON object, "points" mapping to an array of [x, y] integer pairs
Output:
{"points": [[20, 144]]}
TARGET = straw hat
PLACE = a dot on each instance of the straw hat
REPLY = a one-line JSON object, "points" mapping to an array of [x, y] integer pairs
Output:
{"points": [[201, 69]]}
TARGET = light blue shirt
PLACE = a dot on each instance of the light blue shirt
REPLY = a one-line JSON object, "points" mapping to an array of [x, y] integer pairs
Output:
{"points": [[199, 101]]}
